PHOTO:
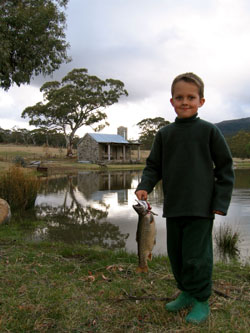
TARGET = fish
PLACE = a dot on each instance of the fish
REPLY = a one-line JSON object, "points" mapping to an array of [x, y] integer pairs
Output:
{"points": [[145, 234]]}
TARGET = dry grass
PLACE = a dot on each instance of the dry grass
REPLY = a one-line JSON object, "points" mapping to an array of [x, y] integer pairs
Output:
{"points": [[143, 154], [8, 152], [53, 158], [19, 188], [241, 163]]}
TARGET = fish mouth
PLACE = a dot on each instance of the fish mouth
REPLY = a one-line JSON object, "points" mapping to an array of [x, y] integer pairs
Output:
{"points": [[139, 206], [143, 204], [140, 209], [143, 207]]}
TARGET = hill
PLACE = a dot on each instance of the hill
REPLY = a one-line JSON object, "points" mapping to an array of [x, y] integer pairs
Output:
{"points": [[232, 127]]}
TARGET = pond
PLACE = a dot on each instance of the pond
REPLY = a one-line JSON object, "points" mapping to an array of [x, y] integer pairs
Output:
{"points": [[95, 208]]}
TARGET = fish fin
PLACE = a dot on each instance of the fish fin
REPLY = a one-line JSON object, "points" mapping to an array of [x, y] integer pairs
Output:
{"points": [[150, 256], [142, 269]]}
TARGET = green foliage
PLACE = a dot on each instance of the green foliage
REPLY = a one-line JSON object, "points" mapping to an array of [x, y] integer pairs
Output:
{"points": [[149, 127], [240, 144], [19, 161], [37, 137], [19, 188], [32, 39], [78, 100], [227, 240]]}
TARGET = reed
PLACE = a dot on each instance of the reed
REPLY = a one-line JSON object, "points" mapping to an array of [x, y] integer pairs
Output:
{"points": [[19, 188], [227, 240]]}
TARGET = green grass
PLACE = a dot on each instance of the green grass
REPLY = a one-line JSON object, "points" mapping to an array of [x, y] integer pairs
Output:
{"points": [[227, 240], [54, 287]]}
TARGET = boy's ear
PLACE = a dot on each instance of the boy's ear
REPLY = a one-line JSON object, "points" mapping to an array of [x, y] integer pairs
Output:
{"points": [[171, 101], [202, 101]]}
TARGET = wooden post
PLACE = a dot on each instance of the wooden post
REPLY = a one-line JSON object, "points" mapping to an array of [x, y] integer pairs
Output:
{"points": [[109, 152], [139, 153], [124, 153]]}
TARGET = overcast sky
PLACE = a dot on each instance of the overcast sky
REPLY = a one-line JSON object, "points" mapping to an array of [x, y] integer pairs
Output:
{"points": [[145, 44]]}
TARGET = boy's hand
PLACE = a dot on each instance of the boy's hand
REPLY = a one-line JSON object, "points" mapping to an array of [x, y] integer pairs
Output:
{"points": [[218, 212], [142, 195]]}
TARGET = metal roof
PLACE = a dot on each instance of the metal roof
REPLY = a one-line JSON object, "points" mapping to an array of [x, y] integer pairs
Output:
{"points": [[108, 138]]}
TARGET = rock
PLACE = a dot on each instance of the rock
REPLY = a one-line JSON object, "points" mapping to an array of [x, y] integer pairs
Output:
{"points": [[5, 213]]}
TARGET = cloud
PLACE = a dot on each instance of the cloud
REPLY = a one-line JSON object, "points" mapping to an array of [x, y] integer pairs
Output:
{"points": [[145, 44], [13, 102]]}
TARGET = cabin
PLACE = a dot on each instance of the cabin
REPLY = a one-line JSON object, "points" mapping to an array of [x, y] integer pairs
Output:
{"points": [[107, 148]]}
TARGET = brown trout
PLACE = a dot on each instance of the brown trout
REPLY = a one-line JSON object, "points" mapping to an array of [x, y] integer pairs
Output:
{"points": [[145, 235]]}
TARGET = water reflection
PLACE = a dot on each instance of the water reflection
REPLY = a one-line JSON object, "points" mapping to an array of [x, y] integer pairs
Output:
{"points": [[95, 208], [95, 185], [69, 220]]}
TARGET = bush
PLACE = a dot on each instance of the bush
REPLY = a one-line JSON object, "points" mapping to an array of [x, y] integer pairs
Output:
{"points": [[19, 161], [227, 240], [19, 188]]}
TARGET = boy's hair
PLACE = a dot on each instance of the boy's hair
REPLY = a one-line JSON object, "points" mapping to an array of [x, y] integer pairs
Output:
{"points": [[192, 78]]}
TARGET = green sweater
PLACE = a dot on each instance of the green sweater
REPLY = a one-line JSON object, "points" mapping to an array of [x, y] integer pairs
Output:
{"points": [[193, 161]]}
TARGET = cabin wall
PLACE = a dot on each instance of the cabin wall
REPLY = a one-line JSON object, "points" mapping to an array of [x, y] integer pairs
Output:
{"points": [[88, 149]]}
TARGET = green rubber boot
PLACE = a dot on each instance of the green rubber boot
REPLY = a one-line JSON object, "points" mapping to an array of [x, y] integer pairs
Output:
{"points": [[199, 312], [182, 301]]}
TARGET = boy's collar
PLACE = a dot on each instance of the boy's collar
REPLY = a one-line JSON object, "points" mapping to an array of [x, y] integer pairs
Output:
{"points": [[186, 120]]}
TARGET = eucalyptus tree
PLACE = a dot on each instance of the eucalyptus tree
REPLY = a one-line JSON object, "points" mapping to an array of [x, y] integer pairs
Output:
{"points": [[78, 100], [32, 39], [149, 127]]}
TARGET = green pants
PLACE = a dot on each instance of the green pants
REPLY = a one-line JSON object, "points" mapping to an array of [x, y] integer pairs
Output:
{"points": [[190, 250]]}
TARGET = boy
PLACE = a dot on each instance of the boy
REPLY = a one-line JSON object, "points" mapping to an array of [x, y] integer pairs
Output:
{"points": [[195, 165]]}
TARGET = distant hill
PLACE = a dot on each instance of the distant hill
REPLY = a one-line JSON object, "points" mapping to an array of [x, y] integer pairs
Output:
{"points": [[231, 127]]}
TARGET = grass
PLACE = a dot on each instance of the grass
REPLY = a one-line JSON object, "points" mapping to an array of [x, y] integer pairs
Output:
{"points": [[9, 151], [54, 159], [227, 240], [242, 163], [19, 188], [54, 287]]}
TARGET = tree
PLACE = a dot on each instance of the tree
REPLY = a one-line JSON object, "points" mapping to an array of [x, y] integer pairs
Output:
{"points": [[32, 39], [239, 144], [78, 100], [20, 135], [149, 127]]}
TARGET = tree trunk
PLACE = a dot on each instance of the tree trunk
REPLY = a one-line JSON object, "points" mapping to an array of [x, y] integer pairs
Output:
{"points": [[69, 141], [69, 150], [69, 146]]}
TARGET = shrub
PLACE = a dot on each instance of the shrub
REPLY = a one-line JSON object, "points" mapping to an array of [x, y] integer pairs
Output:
{"points": [[227, 240], [19, 161], [19, 188]]}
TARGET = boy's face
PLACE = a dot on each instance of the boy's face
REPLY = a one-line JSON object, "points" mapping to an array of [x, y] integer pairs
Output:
{"points": [[186, 99]]}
